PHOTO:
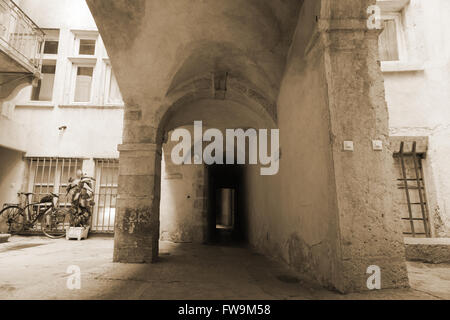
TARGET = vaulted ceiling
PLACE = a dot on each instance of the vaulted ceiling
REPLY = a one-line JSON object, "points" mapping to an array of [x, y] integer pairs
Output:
{"points": [[157, 46]]}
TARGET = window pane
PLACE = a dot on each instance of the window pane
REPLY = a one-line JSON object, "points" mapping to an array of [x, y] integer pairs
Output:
{"points": [[83, 84], [51, 47], [87, 47], [44, 89], [388, 42], [114, 95]]}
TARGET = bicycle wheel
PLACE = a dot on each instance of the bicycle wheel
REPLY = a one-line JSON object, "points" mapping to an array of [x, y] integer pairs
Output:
{"points": [[14, 219], [55, 222]]}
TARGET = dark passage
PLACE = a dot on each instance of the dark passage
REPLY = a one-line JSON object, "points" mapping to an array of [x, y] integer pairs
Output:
{"points": [[226, 223]]}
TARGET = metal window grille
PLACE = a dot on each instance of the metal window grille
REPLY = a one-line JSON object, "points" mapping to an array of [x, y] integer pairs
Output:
{"points": [[412, 185], [48, 175], [52, 175], [107, 176]]}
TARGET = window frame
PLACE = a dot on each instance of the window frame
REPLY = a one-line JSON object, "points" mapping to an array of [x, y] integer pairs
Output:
{"points": [[395, 10], [401, 42], [108, 74], [73, 80], [79, 35], [49, 58], [46, 62], [52, 35]]}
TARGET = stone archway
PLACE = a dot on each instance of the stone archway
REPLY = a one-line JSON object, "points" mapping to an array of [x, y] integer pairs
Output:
{"points": [[328, 212]]}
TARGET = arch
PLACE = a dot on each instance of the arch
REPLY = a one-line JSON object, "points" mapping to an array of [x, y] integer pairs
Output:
{"points": [[240, 94]]}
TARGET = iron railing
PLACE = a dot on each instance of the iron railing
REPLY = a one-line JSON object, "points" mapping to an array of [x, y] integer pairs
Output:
{"points": [[20, 37]]}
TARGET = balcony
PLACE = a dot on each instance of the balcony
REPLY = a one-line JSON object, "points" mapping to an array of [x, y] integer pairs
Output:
{"points": [[21, 43]]}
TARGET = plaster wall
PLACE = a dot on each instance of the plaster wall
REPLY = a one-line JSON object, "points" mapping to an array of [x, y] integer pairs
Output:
{"points": [[90, 133], [419, 101], [337, 216], [293, 215], [12, 169], [182, 206], [12, 134]]}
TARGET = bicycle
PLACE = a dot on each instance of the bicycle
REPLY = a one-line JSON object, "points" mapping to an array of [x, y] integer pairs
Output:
{"points": [[53, 220]]}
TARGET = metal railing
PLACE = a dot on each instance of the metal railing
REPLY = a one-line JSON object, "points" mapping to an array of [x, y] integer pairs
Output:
{"points": [[20, 37]]}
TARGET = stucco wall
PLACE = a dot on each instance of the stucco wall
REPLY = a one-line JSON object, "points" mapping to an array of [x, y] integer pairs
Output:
{"points": [[90, 133], [12, 169], [419, 102], [292, 215], [182, 210]]}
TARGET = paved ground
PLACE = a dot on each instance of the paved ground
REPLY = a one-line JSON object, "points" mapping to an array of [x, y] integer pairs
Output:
{"points": [[35, 268]]}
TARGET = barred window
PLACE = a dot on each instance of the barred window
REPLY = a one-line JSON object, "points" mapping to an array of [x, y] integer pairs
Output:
{"points": [[107, 175], [411, 196], [51, 175]]}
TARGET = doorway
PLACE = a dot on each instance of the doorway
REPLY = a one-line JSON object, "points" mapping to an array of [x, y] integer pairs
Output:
{"points": [[225, 206]]}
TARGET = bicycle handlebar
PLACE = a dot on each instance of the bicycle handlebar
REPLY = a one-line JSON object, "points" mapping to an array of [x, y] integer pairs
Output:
{"points": [[25, 193], [33, 194]]}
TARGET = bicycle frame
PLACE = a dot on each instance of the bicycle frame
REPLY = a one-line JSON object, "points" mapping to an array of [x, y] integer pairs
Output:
{"points": [[32, 211]]}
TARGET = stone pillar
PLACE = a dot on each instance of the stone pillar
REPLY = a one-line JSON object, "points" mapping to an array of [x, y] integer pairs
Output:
{"points": [[137, 213], [369, 228]]}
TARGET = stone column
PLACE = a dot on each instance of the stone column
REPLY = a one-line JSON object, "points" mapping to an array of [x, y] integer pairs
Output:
{"points": [[369, 228], [137, 213]]}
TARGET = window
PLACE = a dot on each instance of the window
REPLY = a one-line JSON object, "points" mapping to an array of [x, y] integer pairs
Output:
{"points": [[44, 89], [112, 92], [85, 43], [410, 199], [51, 47], [391, 41], [51, 44], [47, 175], [114, 96], [396, 43], [87, 47], [83, 84], [388, 41], [107, 175]]}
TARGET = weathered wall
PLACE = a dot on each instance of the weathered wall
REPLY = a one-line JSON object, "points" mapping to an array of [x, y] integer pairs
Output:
{"points": [[332, 217], [12, 134], [91, 132], [293, 215], [183, 193], [12, 169], [419, 101]]}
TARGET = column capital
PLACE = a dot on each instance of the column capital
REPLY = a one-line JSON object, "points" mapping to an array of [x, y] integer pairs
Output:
{"points": [[339, 34]]}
